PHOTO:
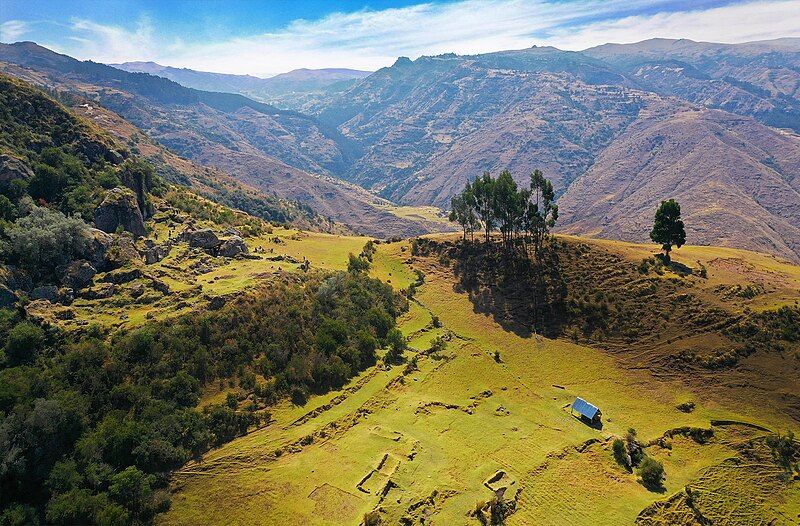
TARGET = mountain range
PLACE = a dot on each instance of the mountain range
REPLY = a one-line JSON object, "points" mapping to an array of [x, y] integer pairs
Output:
{"points": [[280, 152], [289, 90], [617, 128]]}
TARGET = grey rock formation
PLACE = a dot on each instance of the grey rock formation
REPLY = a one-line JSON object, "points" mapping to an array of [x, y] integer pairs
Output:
{"points": [[78, 274], [101, 242], [232, 246], [120, 208], [45, 292], [122, 252], [156, 253], [7, 297], [204, 238], [12, 168]]}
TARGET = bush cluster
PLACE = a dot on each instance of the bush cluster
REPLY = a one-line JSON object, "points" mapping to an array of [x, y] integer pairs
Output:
{"points": [[90, 426]]}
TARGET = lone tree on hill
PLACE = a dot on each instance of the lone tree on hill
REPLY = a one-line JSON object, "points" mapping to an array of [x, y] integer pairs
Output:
{"points": [[668, 227]]}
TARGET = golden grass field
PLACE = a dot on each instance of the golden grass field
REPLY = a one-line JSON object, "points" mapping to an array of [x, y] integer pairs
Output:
{"points": [[424, 446]]}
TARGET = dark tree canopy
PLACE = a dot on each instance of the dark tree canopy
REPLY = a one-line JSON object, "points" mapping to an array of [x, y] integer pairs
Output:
{"points": [[525, 214], [668, 227]]}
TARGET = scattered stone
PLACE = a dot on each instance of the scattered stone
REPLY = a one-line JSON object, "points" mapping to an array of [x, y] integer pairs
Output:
{"points": [[120, 277], [217, 302], [160, 286], [101, 291], [137, 290], [66, 296], [120, 208], [65, 314]]}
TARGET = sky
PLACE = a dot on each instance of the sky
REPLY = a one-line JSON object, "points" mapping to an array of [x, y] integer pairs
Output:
{"points": [[263, 38]]}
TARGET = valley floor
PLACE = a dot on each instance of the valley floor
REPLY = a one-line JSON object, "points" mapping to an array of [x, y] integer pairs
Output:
{"points": [[425, 444]]}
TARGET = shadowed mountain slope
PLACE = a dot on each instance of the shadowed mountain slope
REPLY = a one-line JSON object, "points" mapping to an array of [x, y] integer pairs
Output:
{"points": [[272, 150]]}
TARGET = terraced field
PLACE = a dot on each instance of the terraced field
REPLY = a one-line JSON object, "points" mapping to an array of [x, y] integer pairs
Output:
{"points": [[487, 415]]}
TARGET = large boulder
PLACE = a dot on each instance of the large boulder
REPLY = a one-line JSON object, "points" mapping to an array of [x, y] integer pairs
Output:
{"points": [[204, 238], [15, 278], [98, 248], [12, 168], [119, 208], [156, 253], [7, 297], [122, 252], [232, 246], [45, 292], [78, 274]]}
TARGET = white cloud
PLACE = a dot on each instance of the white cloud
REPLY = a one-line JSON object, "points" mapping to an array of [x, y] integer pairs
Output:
{"points": [[11, 30], [730, 24], [104, 43], [370, 39]]}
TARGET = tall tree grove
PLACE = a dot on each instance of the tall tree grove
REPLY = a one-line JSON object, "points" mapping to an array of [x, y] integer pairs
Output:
{"points": [[525, 214]]}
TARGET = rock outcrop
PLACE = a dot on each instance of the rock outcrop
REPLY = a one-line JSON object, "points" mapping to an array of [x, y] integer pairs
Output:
{"points": [[78, 274], [7, 297], [120, 208], [122, 252], [12, 168], [100, 244], [231, 247], [45, 292], [204, 238]]}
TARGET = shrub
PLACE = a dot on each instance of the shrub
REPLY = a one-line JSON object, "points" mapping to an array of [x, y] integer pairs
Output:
{"points": [[652, 473], [357, 264], [23, 342], [397, 346], [373, 518], [45, 239], [621, 454]]}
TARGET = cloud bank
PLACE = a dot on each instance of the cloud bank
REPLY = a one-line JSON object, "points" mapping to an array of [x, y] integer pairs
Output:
{"points": [[370, 39]]}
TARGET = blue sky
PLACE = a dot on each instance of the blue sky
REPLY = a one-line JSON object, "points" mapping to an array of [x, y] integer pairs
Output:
{"points": [[265, 38]]}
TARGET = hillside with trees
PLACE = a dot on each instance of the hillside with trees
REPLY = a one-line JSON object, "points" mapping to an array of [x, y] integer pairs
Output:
{"points": [[95, 415]]}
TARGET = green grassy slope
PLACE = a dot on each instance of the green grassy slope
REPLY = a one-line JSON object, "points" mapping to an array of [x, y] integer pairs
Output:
{"points": [[424, 445]]}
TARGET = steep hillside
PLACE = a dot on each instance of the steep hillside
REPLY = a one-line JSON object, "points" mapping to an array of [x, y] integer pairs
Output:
{"points": [[736, 179], [429, 125], [247, 139], [758, 79], [289, 90]]}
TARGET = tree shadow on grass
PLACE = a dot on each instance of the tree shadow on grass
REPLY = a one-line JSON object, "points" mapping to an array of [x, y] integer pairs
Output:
{"points": [[521, 294]]}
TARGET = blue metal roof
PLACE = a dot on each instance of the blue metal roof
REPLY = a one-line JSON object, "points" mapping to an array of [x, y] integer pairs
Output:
{"points": [[585, 408]]}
